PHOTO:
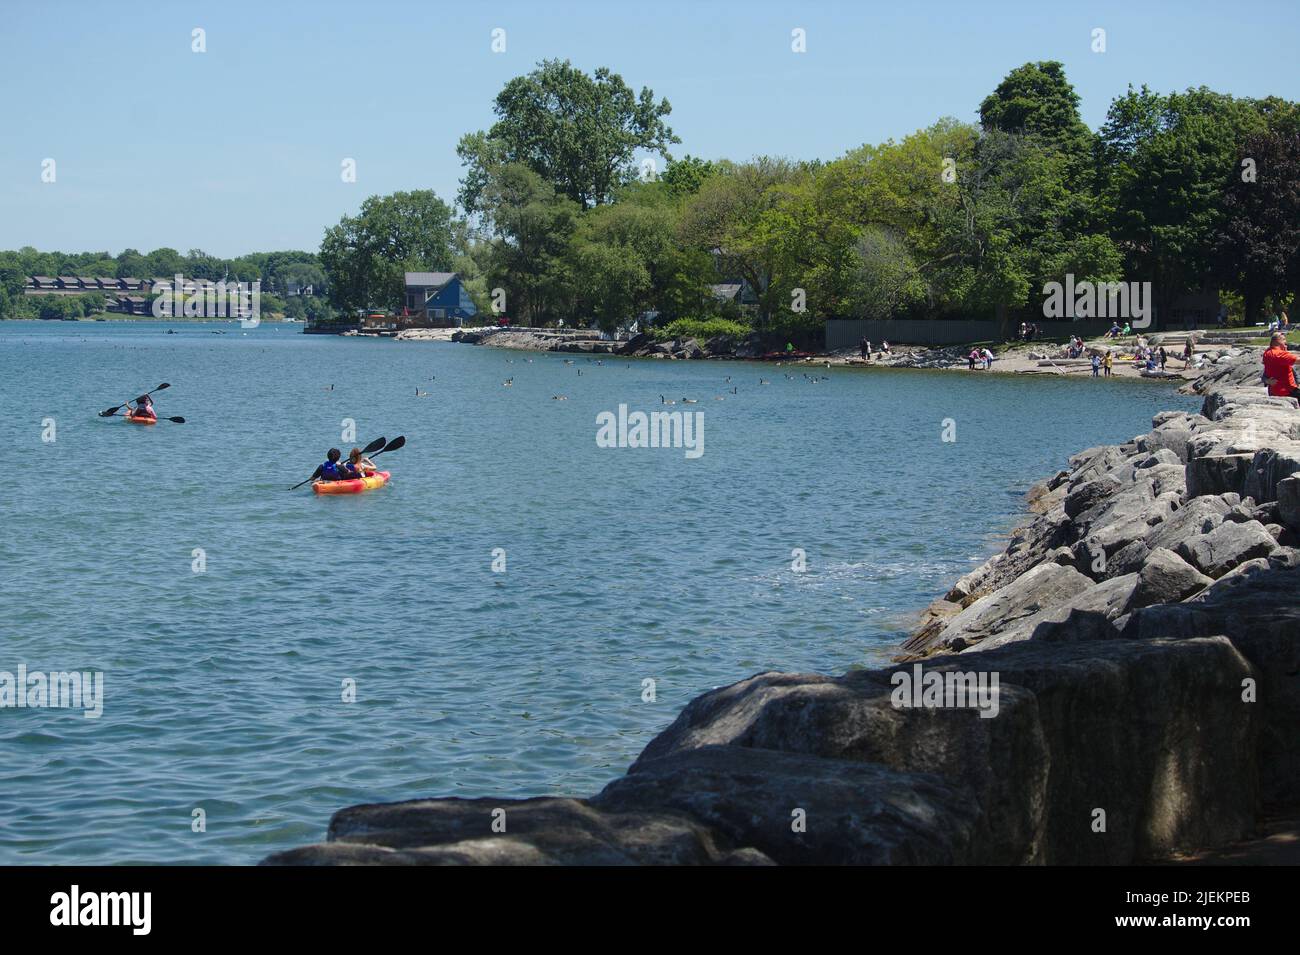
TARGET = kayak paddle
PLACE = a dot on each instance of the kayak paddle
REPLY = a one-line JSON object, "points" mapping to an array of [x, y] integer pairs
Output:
{"points": [[393, 445], [372, 448], [112, 411]]}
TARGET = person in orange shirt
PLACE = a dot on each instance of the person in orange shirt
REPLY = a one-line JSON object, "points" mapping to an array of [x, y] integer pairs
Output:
{"points": [[1279, 368]]}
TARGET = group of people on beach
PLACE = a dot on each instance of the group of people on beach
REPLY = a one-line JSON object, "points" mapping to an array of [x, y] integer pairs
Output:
{"points": [[334, 469], [864, 348], [982, 356]]}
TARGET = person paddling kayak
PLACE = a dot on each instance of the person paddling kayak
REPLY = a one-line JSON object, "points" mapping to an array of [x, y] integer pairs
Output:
{"points": [[330, 470], [143, 408], [357, 465]]}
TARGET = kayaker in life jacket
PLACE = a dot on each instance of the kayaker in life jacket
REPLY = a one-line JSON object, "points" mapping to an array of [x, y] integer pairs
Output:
{"points": [[330, 470], [143, 408], [357, 465]]}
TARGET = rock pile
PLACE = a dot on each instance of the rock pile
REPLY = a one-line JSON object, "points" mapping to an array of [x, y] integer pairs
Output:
{"points": [[1141, 633]]}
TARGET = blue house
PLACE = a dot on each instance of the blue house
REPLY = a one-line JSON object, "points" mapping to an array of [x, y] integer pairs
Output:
{"points": [[439, 296]]}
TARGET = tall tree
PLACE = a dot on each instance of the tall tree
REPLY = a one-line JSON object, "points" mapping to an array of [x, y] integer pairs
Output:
{"points": [[530, 226], [1259, 245], [579, 133], [365, 256]]}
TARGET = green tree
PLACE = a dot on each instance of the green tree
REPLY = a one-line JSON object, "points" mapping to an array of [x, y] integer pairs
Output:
{"points": [[365, 256], [530, 224], [1259, 245], [579, 133]]}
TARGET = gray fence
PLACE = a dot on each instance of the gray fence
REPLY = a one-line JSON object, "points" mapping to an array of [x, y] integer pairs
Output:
{"points": [[848, 332]]}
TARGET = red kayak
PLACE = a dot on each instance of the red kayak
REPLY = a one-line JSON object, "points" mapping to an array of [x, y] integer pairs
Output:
{"points": [[352, 485]]}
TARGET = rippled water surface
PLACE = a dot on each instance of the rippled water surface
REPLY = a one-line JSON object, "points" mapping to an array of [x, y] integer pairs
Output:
{"points": [[223, 689]]}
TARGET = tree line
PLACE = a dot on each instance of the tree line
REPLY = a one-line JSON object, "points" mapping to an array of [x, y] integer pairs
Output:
{"points": [[1190, 191], [278, 272], [573, 209]]}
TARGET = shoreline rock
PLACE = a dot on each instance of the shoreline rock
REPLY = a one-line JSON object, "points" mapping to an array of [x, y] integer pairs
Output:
{"points": [[1132, 656]]}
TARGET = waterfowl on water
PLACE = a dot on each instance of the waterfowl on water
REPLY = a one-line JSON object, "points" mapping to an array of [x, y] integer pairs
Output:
{"points": [[690, 401], [664, 401]]}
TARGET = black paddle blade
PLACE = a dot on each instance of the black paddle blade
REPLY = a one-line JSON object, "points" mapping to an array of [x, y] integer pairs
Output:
{"points": [[161, 387], [374, 446], [394, 445], [110, 412], [178, 419]]}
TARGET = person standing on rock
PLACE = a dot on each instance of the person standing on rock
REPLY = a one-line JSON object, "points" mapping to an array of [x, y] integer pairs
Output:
{"points": [[864, 348], [1164, 357], [1107, 362], [1189, 349], [1279, 368], [1096, 365]]}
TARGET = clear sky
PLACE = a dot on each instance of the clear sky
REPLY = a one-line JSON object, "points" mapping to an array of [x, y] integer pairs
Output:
{"points": [[239, 149]]}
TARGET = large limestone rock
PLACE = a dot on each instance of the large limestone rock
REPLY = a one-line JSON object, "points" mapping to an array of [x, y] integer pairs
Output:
{"points": [[1229, 544], [1152, 732], [803, 810], [1257, 608], [1166, 578], [537, 832], [1217, 473], [1042, 587], [1288, 501], [1096, 605]]}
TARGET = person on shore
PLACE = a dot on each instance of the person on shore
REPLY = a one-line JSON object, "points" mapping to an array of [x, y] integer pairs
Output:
{"points": [[1189, 350], [1107, 362], [884, 348], [1128, 330], [1286, 323], [1096, 365], [972, 358], [1279, 370], [330, 470], [864, 348], [143, 408], [1114, 330], [357, 465], [988, 359]]}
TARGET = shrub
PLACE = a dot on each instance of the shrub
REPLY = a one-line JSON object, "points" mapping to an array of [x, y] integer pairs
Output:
{"points": [[702, 328]]}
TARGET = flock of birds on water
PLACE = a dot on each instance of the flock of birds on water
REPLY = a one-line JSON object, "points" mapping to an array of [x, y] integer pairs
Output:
{"points": [[419, 393]]}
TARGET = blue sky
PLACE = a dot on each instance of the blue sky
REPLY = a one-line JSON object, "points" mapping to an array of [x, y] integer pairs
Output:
{"points": [[238, 149]]}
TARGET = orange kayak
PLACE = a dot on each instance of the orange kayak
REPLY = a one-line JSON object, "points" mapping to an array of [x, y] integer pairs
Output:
{"points": [[353, 485], [134, 420]]}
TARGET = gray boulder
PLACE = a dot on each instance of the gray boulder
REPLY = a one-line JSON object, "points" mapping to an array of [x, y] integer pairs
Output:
{"points": [[537, 832], [1229, 544], [1217, 473], [1166, 578], [1043, 586], [804, 810]]}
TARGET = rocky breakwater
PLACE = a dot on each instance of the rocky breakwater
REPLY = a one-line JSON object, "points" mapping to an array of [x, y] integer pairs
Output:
{"points": [[1140, 636]]}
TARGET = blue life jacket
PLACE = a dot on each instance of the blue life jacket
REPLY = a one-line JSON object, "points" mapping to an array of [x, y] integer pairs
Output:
{"points": [[329, 471]]}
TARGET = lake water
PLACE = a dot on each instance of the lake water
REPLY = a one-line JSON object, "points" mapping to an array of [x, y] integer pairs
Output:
{"points": [[224, 689]]}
